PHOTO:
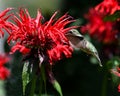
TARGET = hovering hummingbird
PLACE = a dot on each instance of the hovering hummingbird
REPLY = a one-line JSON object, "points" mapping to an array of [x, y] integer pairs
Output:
{"points": [[77, 41]]}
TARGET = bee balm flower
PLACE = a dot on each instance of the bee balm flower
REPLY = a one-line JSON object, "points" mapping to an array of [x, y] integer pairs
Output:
{"points": [[46, 39], [101, 30]]}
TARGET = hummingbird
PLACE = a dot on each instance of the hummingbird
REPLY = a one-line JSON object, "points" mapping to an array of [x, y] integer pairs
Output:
{"points": [[77, 41]]}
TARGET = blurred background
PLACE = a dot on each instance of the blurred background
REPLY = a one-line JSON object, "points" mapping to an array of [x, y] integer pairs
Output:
{"points": [[78, 76]]}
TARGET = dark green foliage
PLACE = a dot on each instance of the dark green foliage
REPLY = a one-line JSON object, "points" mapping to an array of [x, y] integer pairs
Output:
{"points": [[112, 17]]}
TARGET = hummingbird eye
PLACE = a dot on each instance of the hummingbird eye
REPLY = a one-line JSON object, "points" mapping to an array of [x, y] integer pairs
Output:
{"points": [[81, 38], [70, 32]]}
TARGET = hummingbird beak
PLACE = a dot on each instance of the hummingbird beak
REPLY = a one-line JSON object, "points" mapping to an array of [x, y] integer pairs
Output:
{"points": [[97, 57]]}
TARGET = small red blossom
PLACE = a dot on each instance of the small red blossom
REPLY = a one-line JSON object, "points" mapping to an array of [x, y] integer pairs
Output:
{"points": [[108, 6], [47, 38], [4, 72], [3, 19], [98, 28]]}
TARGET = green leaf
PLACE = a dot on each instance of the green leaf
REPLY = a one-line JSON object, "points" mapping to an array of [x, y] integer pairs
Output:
{"points": [[78, 42], [57, 86], [25, 76], [112, 17]]}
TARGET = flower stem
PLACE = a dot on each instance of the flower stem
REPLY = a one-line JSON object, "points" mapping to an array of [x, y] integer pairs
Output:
{"points": [[33, 85], [43, 77], [41, 85], [104, 85]]}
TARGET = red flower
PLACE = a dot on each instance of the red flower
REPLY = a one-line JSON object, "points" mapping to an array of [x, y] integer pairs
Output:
{"points": [[47, 38], [98, 28], [4, 72], [3, 18], [108, 6]]}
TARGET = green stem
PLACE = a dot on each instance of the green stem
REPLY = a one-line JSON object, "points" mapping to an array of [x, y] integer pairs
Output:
{"points": [[33, 85], [41, 85], [104, 85], [43, 77]]}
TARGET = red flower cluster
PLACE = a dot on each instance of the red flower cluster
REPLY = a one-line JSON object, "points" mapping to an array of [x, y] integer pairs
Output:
{"points": [[47, 38], [98, 28], [4, 72], [108, 6], [104, 31]]}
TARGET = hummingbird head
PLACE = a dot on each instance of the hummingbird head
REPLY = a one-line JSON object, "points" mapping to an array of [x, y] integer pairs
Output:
{"points": [[74, 33]]}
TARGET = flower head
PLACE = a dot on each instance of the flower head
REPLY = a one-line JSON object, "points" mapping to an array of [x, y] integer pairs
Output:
{"points": [[47, 38], [98, 28], [108, 6]]}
